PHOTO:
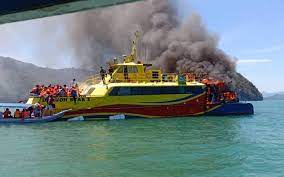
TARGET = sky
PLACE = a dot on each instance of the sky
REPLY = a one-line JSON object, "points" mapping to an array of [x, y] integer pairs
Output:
{"points": [[252, 31]]}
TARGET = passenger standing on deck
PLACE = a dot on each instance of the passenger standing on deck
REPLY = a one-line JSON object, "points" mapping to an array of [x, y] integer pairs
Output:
{"points": [[115, 61], [124, 58], [74, 83], [74, 94], [110, 70], [103, 73], [125, 72]]}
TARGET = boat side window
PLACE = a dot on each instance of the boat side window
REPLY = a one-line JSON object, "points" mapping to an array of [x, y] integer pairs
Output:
{"points": [[151, 91], [194, 90], [114, 91], [182, 90], [124, 91], [157, 90], [199, 90], [167, 90], [136, 90], [154, 90], [120, 91]]}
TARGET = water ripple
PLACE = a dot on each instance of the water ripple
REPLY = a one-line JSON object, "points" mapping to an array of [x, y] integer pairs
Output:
{"points": [[200, 146]]}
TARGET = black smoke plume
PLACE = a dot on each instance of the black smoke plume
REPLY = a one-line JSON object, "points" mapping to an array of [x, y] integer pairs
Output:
{"points": [[167, 42], [89, 39]]}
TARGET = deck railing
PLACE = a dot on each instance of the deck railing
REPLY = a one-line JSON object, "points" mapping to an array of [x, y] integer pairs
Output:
{"points": [[132, 77], [150, 77]]}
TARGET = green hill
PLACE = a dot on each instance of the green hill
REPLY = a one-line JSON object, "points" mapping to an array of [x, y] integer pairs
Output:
{"points": [[277, 96], [17, 78]]}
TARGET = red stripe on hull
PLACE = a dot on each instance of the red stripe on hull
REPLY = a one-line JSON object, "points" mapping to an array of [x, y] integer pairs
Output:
{"points": [[191, 107]]}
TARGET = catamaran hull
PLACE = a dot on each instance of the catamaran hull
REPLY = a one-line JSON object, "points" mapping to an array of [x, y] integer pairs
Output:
{"points": [[164, 111], [148, 107]]}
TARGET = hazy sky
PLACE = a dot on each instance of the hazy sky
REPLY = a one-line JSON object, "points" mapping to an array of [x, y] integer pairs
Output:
{"points": [[252, 31]]}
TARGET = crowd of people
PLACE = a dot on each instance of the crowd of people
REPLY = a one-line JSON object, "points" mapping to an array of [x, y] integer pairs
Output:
{"points": [[49, 92], [56, 90], [35, 111]]}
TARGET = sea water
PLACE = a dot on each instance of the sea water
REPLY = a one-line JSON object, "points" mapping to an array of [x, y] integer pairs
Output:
{"points": [[198, 146]]}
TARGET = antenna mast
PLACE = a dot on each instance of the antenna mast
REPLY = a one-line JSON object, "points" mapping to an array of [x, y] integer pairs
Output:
{"points": [[133, 56]]}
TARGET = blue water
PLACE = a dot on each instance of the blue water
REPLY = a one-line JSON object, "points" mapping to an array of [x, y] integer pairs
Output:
{"points": [[200, 146]]}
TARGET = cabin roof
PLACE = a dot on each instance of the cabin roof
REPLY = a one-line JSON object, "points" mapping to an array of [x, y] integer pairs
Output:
{"points": [[129, 64]]}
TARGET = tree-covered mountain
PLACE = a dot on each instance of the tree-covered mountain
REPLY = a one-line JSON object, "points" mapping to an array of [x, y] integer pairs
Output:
{"points": [[246, 90], [17, 78], [274, 96]]}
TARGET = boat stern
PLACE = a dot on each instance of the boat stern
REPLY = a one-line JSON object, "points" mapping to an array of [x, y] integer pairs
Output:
{"points": [[232, 109]]}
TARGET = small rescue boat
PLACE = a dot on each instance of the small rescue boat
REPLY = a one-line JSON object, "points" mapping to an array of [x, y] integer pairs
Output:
{"points": [[33, 120]]}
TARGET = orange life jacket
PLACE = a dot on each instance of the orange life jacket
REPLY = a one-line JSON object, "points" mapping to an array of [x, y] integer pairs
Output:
{"points": [[26, 114], [17, 114]]}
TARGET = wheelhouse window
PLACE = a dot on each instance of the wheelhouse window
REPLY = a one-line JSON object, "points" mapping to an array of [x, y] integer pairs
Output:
{"points": [[132, 69], [155, 75], [91, 90], [120, 69]]}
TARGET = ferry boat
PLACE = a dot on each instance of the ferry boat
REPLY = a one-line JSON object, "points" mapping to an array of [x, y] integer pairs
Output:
{"points": [[134, 90]]}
